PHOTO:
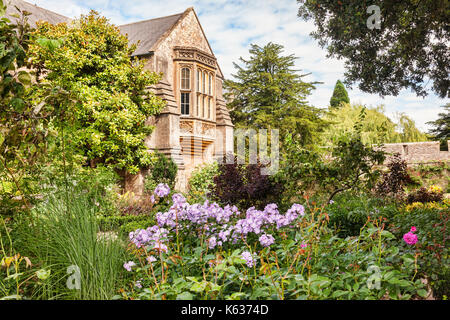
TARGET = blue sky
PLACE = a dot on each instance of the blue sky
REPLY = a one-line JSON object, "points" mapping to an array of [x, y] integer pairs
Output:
{"points": [[231, 25]]}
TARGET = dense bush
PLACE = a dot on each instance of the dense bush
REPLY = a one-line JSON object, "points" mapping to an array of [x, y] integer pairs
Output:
{"points": [[63, 232], [244, 186], [432, 224], [162, 170], [348, 165], [201, 182], [349, 213], [424, 195], [92, 62]]}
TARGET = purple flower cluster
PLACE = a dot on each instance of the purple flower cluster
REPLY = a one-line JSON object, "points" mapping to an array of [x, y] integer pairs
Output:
{"points": [[266, 240], [155, 237], [128, 265], [250, 259], [218, 225], [162, 190]]}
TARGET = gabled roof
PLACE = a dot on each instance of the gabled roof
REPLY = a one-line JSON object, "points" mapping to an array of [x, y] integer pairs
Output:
{"points": [[148, 32], [37, 13]]}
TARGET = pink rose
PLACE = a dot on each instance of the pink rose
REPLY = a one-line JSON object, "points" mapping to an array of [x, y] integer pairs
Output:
{"points": [[410, 238], [413, 229]]}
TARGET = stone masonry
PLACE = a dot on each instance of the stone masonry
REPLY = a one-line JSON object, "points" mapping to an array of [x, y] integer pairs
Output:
{"points": [[419, 152]]}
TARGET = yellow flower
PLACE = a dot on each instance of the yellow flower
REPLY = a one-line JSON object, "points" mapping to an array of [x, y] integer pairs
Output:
{"points": [[435, 189]]}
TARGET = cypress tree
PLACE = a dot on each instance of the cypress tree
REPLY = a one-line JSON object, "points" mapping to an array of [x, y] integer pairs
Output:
{"points": [[340, 95]]}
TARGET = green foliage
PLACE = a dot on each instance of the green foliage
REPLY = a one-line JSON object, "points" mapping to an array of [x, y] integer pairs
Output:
{"points": [[376, 127], [441, 126], [64, 232], [410, 47], [306, 262], [347, 165], [24, 124], [340, 95], [112, 101], [201, 182], [161, 170], [349, 212], [124, 224], [269, 94], [433, 244]]}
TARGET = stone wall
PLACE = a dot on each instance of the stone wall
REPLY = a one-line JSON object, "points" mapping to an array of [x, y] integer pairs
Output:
{"points": [[419, 152]]}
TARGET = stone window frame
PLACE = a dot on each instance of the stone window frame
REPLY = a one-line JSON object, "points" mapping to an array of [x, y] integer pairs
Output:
{"points": [[204, 64], [182, 90], [205, 96]]}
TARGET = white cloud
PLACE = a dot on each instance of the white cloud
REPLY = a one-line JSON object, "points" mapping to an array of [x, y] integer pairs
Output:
{"points": [[232, 25]]}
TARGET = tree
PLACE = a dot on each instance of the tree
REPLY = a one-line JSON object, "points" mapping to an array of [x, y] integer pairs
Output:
{"points": [[441, 126], [409, 48], [340, 95], [269, 94], [375, 128], [349, 164], [24, 124], [113, 102]]}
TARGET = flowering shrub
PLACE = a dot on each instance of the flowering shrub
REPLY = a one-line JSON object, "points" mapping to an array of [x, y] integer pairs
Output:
{"points": [[444, 205], [205, 251], [429, 240]]}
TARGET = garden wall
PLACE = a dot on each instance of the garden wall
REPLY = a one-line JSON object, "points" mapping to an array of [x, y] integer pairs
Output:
{"points": [[419, 152]]}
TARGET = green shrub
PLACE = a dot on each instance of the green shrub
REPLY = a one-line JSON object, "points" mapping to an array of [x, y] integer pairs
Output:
{"points": [[349, 213], [162, 170], [433, 244], [125, 224], [201, 182]]}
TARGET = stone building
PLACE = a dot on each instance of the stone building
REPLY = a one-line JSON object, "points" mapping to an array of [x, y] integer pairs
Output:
{"points": [[195, 127]]}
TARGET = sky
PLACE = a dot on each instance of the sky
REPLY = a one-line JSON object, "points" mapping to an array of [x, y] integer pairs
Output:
{"points": [[232, 25]]}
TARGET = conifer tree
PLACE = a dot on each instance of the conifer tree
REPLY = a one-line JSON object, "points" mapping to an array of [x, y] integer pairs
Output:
{"points": [[268, 93], [441, 126], [340, 95]]}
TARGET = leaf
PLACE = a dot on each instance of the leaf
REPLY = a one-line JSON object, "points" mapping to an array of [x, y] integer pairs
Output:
{"points": [[338, 293], [24, 77], [13, 297], [423, 293], [185, 296], [43, 274]]}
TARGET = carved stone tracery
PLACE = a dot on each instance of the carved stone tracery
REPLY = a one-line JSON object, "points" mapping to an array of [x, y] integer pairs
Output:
{"points": [[193, 54]]}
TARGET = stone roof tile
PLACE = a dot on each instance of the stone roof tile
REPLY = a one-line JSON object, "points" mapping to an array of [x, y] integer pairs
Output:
{"points": [[37, 13], [148, 32]]}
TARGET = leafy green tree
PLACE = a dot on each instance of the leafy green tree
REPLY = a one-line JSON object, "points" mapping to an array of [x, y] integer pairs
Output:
{"points": [[113, 102], [268, 93], [347, 165], [375, 128], [441, 126], [409, 48], [24, 124], [340, 95]]}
